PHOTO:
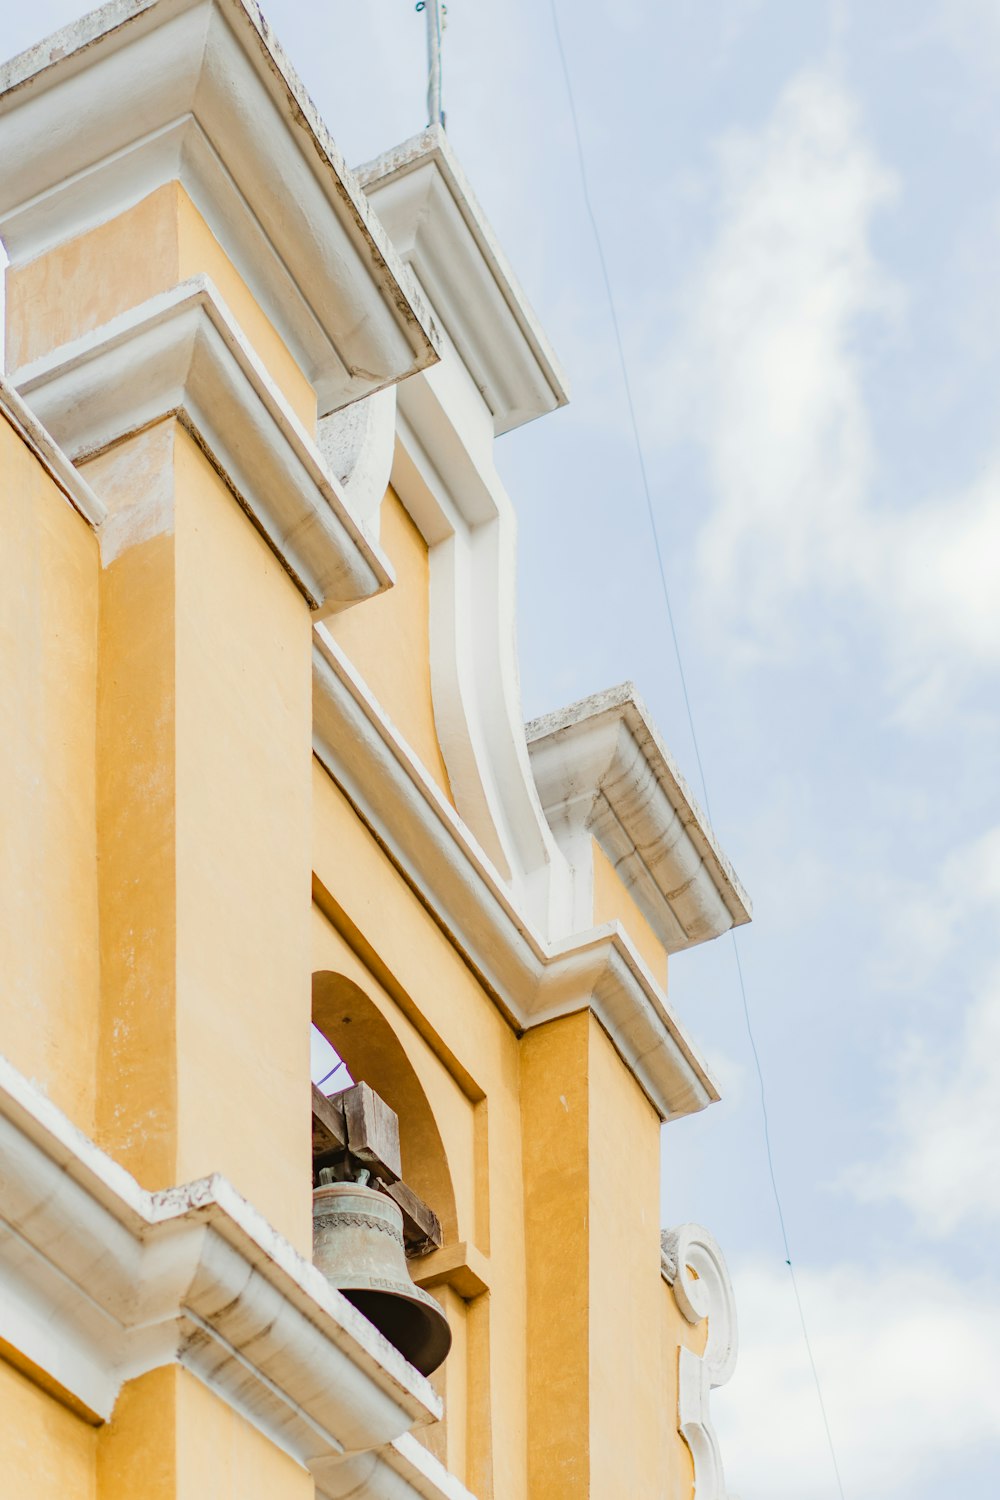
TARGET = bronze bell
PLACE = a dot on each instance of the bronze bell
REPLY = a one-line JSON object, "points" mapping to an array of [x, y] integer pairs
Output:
{"points": [[358, 1245]]}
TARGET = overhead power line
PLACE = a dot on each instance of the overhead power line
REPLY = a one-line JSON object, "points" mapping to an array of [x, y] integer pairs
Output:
{"points": [[658, 549]]}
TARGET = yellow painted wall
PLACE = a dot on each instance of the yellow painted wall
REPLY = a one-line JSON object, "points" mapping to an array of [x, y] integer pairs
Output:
{"points": [[79, 285], [388, 639], [556, 1100], [205, 776], [613, 902], [573, 1188], [173, 1439], [137, 1450], [602, 1383], [70, 290], [466, 1056], [136, 825], [46, 1453], [48, 864], [625, 1285], [244, 769]]}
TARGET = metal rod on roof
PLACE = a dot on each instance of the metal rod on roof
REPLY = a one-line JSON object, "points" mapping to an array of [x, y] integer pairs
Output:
{"points": [[435, 11]]}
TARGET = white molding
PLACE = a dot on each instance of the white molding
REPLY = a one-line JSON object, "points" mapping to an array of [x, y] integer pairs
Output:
{"points": [[101, 1282], [402, 1470], [602, 769], [142, 92], [183, 353], [31, 432], [424, 199], [707, 1293], [531, 980], [358, 446], [451, 488]]}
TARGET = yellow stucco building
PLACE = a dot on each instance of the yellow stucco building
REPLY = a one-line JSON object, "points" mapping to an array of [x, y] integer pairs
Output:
{"points": [[263, 768]]}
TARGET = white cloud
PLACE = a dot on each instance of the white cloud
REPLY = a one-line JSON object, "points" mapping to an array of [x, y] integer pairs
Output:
{"points": [[772, 374], [942, 1156], [929, 925], [770, 363], [943, 568], [910, 1365]]}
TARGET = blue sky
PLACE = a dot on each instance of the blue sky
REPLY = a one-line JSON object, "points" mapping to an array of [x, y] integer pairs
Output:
{"points": [[800, 205]]}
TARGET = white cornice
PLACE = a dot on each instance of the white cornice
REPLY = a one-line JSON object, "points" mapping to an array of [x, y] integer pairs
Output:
{"points": [[422, 196], [31, 432], [602, 769], [182, 353], [402, 1470], [101, 1282], [142, 92], [531, 980], [694, 1266]]}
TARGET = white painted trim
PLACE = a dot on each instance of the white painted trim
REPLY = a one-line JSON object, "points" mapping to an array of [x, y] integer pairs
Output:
{"points": [[101, 1282], [358, 446], [425, 201], [142, 92], [444, 474], [402, 1470], [183, 353], [531, 980], [50, 455], [602, 770], [707, 1293]]}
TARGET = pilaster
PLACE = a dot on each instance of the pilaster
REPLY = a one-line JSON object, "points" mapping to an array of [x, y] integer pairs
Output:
{"points": [[596, 1382], [204, 723]]}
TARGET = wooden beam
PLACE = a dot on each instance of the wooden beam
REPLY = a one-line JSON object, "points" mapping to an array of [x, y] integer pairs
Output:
{"points": [[421, 1225], [372, 1132], [329, 1128]]}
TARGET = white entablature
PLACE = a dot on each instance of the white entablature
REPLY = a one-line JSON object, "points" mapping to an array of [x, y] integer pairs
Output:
{"points": [[182, 353], [144, 92], [426, 203], [604, 773]]}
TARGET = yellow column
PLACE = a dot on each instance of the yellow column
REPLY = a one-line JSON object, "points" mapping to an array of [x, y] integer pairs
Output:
{"points": [[555, 1112], [596, 1378], [204, 767]]}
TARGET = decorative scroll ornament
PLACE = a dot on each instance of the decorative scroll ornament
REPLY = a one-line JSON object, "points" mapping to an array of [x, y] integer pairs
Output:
{"points": [[694, 1266]]}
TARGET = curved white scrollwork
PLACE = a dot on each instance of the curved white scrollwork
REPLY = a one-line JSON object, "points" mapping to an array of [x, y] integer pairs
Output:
{"points": [[695, 1268]]}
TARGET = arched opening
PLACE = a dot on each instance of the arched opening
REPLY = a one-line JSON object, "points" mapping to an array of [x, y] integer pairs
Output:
{"points": [[372, 1053]]}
